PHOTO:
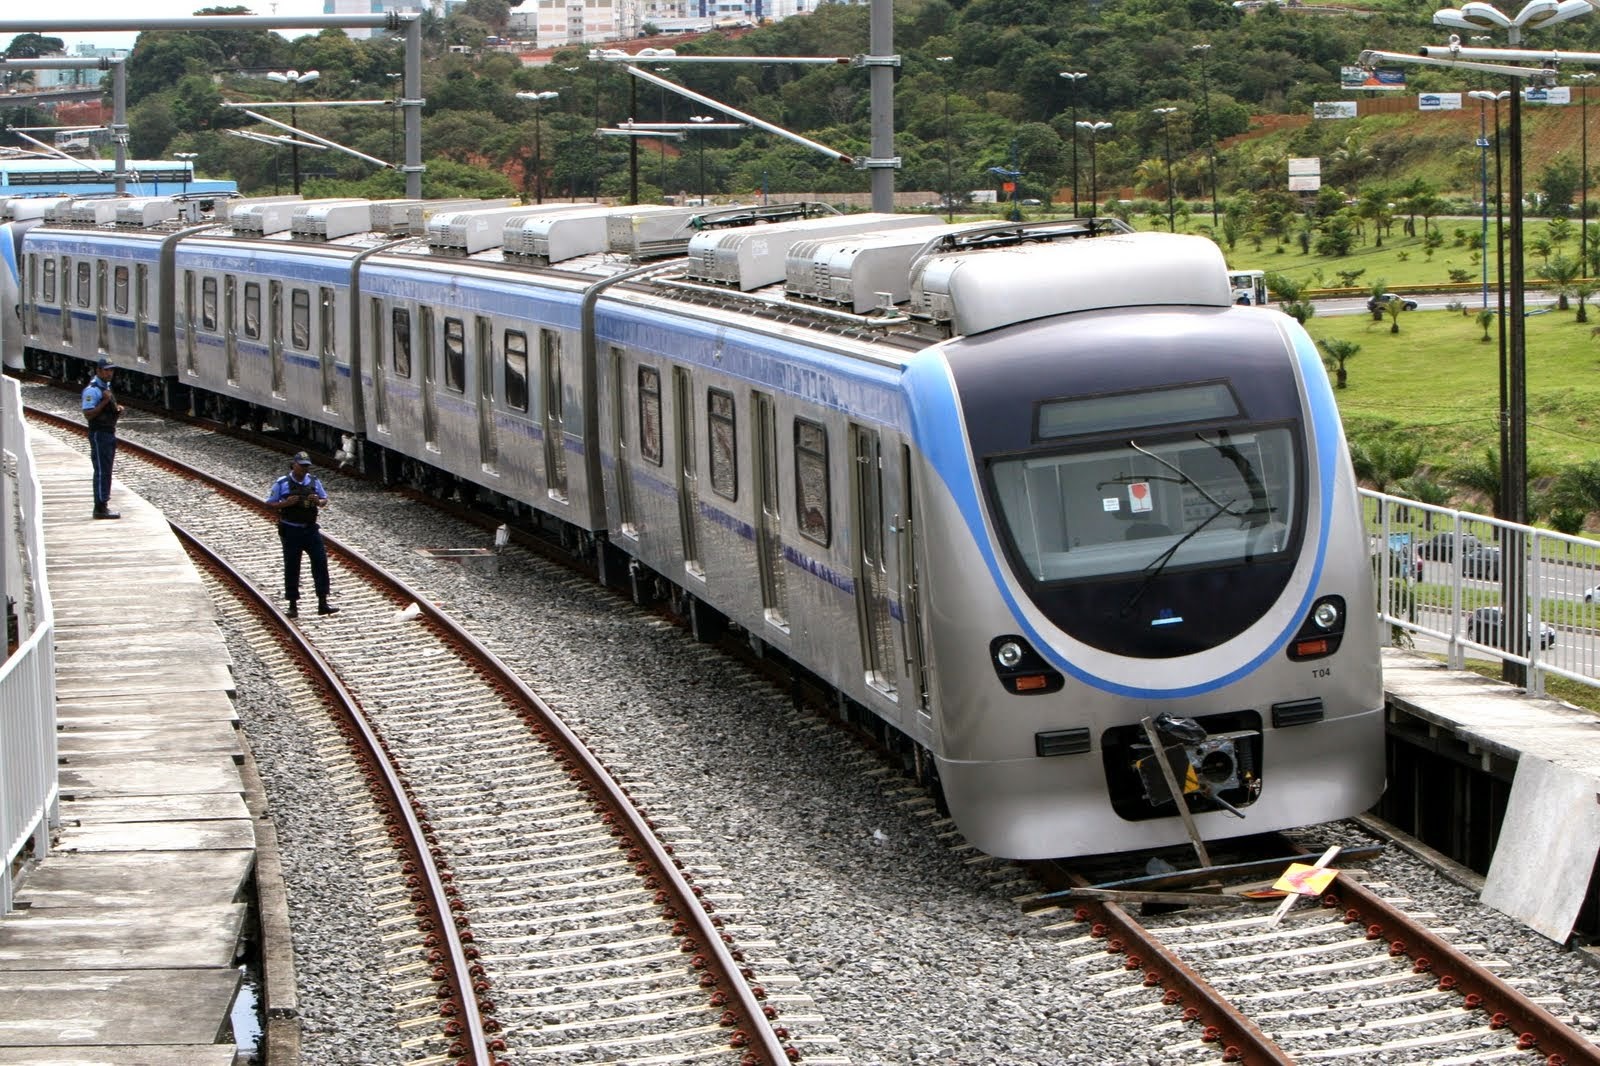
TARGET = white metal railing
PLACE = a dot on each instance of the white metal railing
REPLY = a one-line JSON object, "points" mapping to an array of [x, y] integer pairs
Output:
{"points": [[1459, 583], [29, 794]]}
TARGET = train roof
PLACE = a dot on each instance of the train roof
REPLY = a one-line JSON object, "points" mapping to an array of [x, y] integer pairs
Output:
{"points": [[874, 274]]}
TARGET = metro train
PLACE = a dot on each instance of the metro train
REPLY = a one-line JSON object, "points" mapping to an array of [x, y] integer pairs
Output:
{"points": [[1076, 535]]}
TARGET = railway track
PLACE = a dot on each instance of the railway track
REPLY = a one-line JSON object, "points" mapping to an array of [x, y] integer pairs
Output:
{"points": [[583, 934], [1359, 973]]}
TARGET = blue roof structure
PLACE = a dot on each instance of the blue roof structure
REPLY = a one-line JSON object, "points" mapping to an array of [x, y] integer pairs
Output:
{"points": [[89, 177]]}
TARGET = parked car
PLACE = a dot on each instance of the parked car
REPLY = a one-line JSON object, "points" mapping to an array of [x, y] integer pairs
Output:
{"points": [[1591, 594], [1481, 562], [1484, 625], [1383, 299], [1442, 547]]}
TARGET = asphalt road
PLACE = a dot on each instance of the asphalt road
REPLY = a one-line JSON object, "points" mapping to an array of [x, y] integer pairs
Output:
{"points": [[1357, 305]]}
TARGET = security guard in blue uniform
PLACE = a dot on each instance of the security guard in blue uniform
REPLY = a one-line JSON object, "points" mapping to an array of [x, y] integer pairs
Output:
{"points": [[297, 497], [100, 410]]}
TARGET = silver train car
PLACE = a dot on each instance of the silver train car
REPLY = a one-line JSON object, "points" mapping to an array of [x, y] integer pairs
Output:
{"points": [[1069, 530]]}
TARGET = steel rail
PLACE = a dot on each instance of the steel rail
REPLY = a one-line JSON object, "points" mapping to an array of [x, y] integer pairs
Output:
{"points": [[1430, 953], [729, 986], [457, 990]]}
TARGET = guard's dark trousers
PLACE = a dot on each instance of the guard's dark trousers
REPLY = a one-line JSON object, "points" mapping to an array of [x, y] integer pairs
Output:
{"points": [[102, 452], [307, 539]]}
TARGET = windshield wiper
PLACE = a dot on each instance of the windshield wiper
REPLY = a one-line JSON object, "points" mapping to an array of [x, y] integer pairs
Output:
{"points": [[1154, 567]]}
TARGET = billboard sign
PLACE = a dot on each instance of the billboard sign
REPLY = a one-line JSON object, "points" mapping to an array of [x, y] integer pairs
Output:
{"points": [[1333, 109], [1557, 94], [1439, 102], [1389, 79]]}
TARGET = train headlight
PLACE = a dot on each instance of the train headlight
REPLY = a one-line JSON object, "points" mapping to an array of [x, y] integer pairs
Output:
{"points": [[1021, 669], [1321, 631]]}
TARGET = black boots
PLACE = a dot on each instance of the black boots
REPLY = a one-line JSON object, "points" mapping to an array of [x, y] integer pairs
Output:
{"points": [[105, 512], [294, 609], [323, 607]]}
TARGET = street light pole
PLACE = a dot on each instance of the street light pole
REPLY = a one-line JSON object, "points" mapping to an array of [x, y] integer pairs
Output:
{"points": [[949, 165], [188, 172], [1094, 129], [1483, 96], [1166, 129], [538, 99], [702, 147], [1211, 136], [1073, 78], [294, 79], [1480, 15], [1583, 206]]}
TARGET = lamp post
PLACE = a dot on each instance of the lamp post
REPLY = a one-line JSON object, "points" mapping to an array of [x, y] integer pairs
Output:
{"points": [[1166, 129], [1485, 96], [1583, 204], [537, 100], [295, 79], [701, 119], [949, 165], [663, 71], [1211, 136], [188, 170], [1073, 78], [394, 118], [1094, 129], [1479, 15]]}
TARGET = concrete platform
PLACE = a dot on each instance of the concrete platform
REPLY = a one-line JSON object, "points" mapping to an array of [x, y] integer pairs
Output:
{"points": [[122, 949]]}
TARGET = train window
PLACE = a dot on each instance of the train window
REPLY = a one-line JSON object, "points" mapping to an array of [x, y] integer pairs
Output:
{"points": [[208, 304], [1219, 497], [455, 354], [402, 342], [516, 370], [48, 282], [650, 414], [252, 309], [85, 285], [119, 290], [724, 442], [300, 319], [811, 480]]}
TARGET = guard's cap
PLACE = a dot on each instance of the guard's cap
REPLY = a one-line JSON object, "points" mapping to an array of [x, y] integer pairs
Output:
{"points": [[301, 459], [106, 364]]}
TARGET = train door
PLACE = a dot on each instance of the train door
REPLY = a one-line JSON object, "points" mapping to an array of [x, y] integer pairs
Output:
{"points": [[141, 312], [769, 530], [871, 572], [66, 299], [425, 346], [380, 384], [230, 327], [328, 346], [916, 649], [555, 441], [619, 442], [275, 334], [34, 290], [188, 321], [688, 478], [488, 440], [102, 321]]}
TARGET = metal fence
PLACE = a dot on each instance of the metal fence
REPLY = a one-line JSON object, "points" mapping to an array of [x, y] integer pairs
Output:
{"points": [[29, 795], [1468, 586]]}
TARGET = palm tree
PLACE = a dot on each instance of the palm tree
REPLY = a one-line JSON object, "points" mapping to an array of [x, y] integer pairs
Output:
{"points": [[1339, 351], [1561, 273], [1425, 490], [1583, 289], [1486, 317], [1394, 309], [1482, 477]]}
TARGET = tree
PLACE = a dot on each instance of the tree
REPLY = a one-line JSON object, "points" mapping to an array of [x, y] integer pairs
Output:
{"points": [[1339, 351], [1394, 309], [1485, 318], [1481, 476], [1558, 181], [1584, 289], [1425, 490], [33, 45], [1561, 273]]}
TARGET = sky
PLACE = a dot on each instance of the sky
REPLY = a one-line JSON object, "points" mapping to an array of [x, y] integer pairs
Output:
{"points": [[121, 9]]}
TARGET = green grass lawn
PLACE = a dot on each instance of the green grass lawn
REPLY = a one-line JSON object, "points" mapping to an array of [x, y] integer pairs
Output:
{"points": [[1437, 382]]}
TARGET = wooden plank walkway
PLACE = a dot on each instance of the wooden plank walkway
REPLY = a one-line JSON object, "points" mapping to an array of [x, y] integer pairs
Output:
{"points": [[122, 947]]}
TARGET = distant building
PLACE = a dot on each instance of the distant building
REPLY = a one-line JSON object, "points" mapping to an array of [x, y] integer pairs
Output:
{"points": [[374, 7]]}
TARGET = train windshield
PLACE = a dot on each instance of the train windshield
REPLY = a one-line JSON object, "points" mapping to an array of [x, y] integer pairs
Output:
{"points": [[1149, 504]]}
